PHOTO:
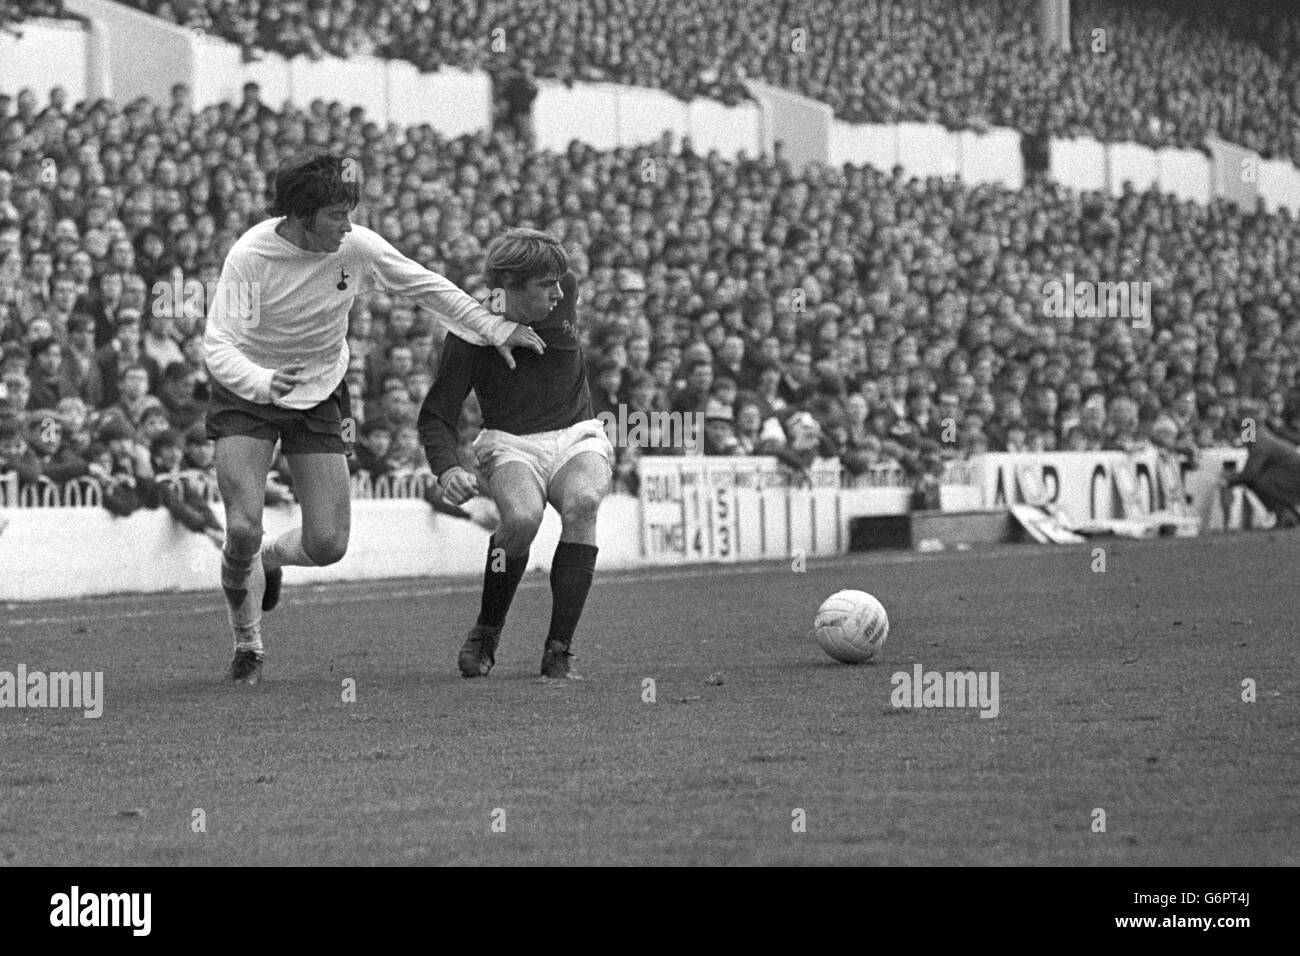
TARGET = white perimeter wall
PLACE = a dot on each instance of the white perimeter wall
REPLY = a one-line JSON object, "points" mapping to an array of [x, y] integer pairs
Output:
{"points": [[50, 553], [1189, 174], [143, 55], [50, 53], [928, 149], [607, 116]]}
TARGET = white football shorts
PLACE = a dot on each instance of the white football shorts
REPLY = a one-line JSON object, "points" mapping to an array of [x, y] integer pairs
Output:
{"points": [[545, 453]]}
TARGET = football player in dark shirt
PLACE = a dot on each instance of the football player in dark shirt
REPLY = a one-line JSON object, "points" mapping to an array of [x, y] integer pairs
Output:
{"points": [[540, 443]]}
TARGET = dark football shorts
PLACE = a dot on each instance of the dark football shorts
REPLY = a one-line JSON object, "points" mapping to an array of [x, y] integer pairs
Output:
{"points": [[306, 431]]}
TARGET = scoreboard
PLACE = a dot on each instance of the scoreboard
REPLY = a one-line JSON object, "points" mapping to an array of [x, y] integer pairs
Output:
{"points": [[728, 509]]}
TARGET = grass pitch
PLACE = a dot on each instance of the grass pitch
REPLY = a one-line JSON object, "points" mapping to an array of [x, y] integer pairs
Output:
{"points": [[1119, 690]]}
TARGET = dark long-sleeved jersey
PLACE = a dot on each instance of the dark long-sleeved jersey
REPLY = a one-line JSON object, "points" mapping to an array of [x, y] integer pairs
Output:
{"points": [[544, 392]]}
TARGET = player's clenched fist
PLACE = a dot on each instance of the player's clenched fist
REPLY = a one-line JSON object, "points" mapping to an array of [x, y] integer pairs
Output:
{"points": [[521, 337], [287, 378], [458, 485]]}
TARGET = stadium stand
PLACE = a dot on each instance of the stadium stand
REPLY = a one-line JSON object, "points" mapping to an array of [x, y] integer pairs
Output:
{"points": [[1167, 73], [895, 322]]}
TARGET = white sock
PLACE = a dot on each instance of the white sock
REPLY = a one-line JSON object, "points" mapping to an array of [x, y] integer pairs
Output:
{"points": [[253, 643], [286, 549]]}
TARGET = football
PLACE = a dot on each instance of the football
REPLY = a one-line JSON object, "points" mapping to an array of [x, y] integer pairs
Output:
{"points": [[851, 626]]}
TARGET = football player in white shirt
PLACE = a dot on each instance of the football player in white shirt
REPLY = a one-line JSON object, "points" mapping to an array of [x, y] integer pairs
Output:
{"points": [[276, 350]]}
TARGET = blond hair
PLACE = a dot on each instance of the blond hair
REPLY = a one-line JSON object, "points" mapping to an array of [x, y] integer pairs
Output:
{"points": [[520, 254]]}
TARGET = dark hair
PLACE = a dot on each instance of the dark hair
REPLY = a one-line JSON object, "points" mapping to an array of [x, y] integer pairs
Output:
{"points": [[41, 346], [309, 181], [177, 372], [114, 429], [81, 322], [166, 439]]}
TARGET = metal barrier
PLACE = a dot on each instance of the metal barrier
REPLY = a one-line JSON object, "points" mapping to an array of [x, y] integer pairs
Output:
{"points": [[366, 487], [757, 472], [86, 492]]}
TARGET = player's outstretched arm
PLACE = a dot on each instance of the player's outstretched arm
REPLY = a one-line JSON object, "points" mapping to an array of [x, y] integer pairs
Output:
{"points": [[521, 336], [455, 308]]}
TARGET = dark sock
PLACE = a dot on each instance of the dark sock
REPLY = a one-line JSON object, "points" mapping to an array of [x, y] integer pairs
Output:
{"points": [[235, 573], [572, 569], [499, 584]]}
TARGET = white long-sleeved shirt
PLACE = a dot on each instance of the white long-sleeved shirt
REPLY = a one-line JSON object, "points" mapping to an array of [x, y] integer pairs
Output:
{"points": [[276, 303]]}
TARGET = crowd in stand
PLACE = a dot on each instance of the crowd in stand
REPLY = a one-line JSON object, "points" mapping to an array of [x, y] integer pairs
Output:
{"points": [[1161, 73], [12, 13], [850, 312]]}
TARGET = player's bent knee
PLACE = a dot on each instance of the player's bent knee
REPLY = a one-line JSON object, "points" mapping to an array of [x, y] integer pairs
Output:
{"points": [[581, 506], [243, 538], [325, 550], [517, 532]]}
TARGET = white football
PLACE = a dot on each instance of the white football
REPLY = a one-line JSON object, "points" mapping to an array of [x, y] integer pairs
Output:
{"points": [[851, 626]]}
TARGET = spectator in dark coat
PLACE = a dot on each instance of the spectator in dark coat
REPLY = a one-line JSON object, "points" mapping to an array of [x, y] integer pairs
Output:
{"points": [[735, 364], [133, 400], [372, 451], [45, 373], [176, 392], [15, 456], [605, 388], [121, 353], [694, 395], [797, 386], [59, 463], [80, 370]]}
